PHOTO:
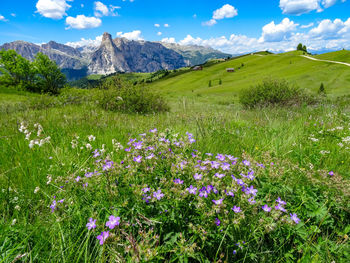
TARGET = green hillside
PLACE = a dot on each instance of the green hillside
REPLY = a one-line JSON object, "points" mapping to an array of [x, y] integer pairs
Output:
{"points": [[342, 56], [290, 66]]}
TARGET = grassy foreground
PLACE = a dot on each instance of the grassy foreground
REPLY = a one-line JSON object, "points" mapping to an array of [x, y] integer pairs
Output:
{"points": [[305, 152]]}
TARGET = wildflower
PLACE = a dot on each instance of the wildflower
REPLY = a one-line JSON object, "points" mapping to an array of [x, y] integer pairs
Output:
{"points": [[251, 175], [178, 181], [138, 145], [37, 189], [219, 175], [96, 153], [128, 149], [153, 130], [158, 195], [215, 165], [266, 208], [245, 162], [138, 159], [104, 235], [251, 200], [236, 209], [53, 206], [146, 189], [91, 224], [113, 221], [220, 157], [217, 221], [225, 166], [107, 165], [234, 252], [295, 218], [88, 146], [218, 202], [280, 201], [280, 207], [78, 178], [198, 176], [250, 190], [240, 182], [91, 138], [150, 156], [331, 173], [230, 193], [203, 192], [192, 190]]}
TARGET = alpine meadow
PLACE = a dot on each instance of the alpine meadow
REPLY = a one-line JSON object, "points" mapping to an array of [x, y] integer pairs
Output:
{"points": [[230, 145]]}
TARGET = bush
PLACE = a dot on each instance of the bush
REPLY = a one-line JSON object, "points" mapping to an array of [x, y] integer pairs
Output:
{"points": [[274, 92], [119, 97]]}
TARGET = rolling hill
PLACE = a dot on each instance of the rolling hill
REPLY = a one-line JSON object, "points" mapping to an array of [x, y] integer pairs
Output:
{"points": [[251, 69]]}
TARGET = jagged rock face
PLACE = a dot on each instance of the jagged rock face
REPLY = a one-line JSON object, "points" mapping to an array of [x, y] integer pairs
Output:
{"points": [[63, 48], [123, 55], [25, 49]]}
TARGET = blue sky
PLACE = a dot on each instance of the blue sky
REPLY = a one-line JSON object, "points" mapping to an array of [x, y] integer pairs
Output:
{"points": [[233, 26]]}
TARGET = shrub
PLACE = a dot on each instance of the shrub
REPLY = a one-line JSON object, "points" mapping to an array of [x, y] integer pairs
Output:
{"points": [[274, 92], [117, 96]]}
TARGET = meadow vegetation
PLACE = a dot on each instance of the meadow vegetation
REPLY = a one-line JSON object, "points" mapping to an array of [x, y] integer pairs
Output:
{"points": [[194, 179]]}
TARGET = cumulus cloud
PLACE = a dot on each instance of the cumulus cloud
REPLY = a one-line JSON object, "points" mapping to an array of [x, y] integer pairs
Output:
{"points": [[134, 35], [328, 29], [82, 22], [277, 32], [226, 11], [170, 40], [54, 9], [86, 42], [299, 7], [100, 9], [307, 26], [156, 25], [159, 33], [2, 18], [166, 25]]}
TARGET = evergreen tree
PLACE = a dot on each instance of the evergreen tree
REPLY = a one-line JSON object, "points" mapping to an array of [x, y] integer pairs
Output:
{"points": [[209, 83], [322, 89]]}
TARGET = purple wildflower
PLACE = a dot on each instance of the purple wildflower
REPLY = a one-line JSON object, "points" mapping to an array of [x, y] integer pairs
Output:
{"points": [[251, 200], [240, 182], [225, 166], [138, 159], [158, 195], [96, 153], [150, 156], [280, 201], [250, 190], [246, 162], [217, 221], [331, 173], [218, 202], [104, 235], [215, 165], [53, 206], [91, 224], [146, 189], [220, 157], [113, 221], [280, 207], [128, 149], [203, 192], [198, 176], [218, 175], [236, 209], [266, 208], [78, 178], [153, 130], [178, 181], [138, 145], [295, 218], [192, 190]]}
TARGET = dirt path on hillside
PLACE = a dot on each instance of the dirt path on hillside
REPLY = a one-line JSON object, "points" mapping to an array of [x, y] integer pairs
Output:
{"points": [[329, 61]]}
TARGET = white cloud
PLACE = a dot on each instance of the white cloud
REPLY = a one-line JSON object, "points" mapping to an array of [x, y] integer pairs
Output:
{"points": [[307, 26], [166, 25], [170, 40], [134, 35], [328, 29], [156, 25], [82, 22], [54, 9], [194, 16], [226, 11], [211, 22], [86, 42], [102, 10], [2, 18], [299, 7], [159, 33], [13, 14], [277, 32]]}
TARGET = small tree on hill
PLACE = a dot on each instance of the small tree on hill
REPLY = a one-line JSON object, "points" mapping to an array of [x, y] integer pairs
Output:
{"points": [[322, 89], [304, 48], [209, 84], [220, 81], [49, 76], [300, 47]]}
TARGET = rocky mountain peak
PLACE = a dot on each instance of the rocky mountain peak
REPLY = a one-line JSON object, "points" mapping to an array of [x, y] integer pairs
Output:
{"points": [[106, 38]]}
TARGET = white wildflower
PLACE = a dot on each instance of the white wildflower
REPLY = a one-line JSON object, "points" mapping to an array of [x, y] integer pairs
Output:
{"points": [[37, 189], [91, 138], [88, 146], [49, 179]]}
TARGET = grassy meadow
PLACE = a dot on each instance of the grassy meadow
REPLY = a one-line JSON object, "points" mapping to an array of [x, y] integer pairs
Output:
{"points": [[298, 154]]}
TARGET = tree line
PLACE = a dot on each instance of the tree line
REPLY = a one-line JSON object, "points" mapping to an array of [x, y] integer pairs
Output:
{"points": [[42, 75]]}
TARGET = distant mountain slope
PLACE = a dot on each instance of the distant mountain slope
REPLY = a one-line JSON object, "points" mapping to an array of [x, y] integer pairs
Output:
{"points": [[196, 55], [252, 69], [342, 56], [116, 55]]}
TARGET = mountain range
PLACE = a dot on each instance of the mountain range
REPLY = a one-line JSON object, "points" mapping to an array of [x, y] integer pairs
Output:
{"points": [[117, 55]]}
